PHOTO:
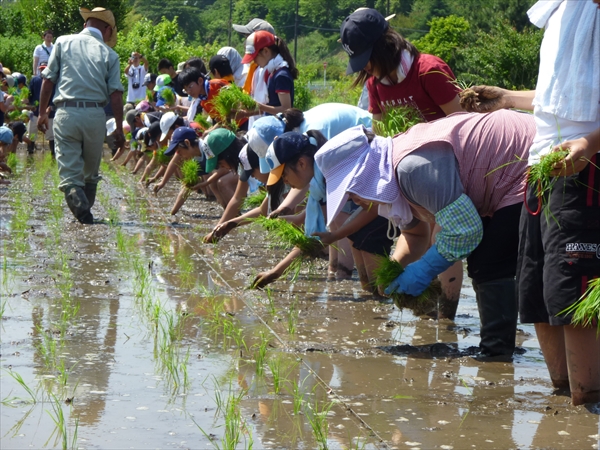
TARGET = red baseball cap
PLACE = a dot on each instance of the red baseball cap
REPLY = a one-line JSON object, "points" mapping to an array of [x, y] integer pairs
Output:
{"points": [[255, 43]]}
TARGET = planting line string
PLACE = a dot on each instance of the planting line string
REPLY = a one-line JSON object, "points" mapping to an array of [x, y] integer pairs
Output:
{"points": [[248, 302]]}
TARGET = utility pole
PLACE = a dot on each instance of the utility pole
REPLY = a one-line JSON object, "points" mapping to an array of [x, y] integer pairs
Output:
{"points": [[296, 32], [230, 22]]}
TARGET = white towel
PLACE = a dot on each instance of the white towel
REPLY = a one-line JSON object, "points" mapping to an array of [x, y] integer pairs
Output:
{"points": [[569, 57]]}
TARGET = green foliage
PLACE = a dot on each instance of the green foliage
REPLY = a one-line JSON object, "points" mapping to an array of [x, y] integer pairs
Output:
{"points": [[160, 40], [446, 37], [168, 95], [189, 173], [504, 57], [202, 121], [397, 120], [11, 161], [16, 51], [161, 158]]}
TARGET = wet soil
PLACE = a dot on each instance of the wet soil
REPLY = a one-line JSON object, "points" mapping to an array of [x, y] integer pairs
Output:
{"points": [[165, 349]]}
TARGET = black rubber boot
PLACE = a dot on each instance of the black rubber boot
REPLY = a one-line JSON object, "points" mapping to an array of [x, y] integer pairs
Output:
{"points": [[497, 304], [31, 148], [90, 193], [78, 204], [51, 145]]}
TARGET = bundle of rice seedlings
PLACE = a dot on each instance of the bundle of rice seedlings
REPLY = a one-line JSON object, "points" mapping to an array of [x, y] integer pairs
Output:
{"points": [[202, 121], [254, 200], [284, 234], [397, 120], [149, 94], [481, 98], [189, 173], [128, 136], [586, 311], [168, 95], [160, 156], [232, 98], [11, 161], [388, 270]]}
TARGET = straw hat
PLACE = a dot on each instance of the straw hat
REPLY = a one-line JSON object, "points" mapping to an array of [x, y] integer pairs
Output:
{"points": [[106, 16]]}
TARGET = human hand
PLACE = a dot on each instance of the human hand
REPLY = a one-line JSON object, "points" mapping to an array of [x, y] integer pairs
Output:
{"points": [[157, 188], [119, 138], [42, 122], [327, 237], [281, 212], [580, 153], [220, 231], [483, 99], [264, 278]]}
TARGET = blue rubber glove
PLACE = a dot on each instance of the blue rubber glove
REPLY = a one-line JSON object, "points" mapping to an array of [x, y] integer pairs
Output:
{"points": [[418, 275]]}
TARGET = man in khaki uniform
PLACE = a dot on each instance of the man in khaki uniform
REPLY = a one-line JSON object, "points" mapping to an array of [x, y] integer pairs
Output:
{"points": [[86, 73]]}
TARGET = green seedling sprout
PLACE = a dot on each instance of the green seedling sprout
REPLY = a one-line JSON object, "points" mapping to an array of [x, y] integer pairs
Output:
{"points": [[396, 120], [586, 311], [160, 156], [230, 99], [388, 270], [168, 95], [317, 418], [11, 161], [202, 121], [254, 200], [189, 173]]}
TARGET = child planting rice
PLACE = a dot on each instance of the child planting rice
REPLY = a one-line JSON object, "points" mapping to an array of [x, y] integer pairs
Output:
{"points": [[435, 173]]}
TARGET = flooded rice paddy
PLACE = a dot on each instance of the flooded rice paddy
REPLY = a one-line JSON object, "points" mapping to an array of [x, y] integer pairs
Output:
{"points": [[134, 334]]}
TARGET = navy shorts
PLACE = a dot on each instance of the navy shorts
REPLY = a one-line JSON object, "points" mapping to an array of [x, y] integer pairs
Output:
{"points": [[559, 249], [372, 238]]}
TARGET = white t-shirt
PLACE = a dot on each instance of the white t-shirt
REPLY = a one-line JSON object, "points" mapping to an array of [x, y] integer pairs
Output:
{"points": [[43, 54], [553, 129], [136, 75]]}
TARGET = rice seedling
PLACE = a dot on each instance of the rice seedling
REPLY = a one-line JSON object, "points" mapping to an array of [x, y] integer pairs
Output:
{"points": [[168, 95], [202, 121], [586, 311], [235, 426], [160, 156], [230, 99], [396, 120], [270, 301], [19, 379], [46, 348], [8, 277], [61, 427], [186, 269], [317, 418], [189, 173], [11, 161], [260, 353], [539, 174], [284, 234], [292, 318], [275, 366], [297, 396], [254, 200], [388, 270]]}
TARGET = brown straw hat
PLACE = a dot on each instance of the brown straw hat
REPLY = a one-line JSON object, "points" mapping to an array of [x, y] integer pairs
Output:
{"points": [[106, 16]]}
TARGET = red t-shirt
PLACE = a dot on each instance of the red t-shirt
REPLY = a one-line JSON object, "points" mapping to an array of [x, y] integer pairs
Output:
{"points": [[429, 83]]}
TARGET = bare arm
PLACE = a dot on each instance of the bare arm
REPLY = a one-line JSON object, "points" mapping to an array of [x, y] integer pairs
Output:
{"points": [[452, 106], [235, 204], [36, 62], [485, 99], [289, 203], [286, 103], [354, 224], [264, 278], [171, 169], [412, 244]]}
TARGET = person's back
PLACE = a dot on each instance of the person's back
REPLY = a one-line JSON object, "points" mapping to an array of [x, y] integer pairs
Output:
{"points": [[85, 62]]}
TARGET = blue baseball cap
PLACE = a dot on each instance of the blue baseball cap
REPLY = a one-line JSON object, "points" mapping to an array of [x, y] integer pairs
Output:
{"points": [[179, 136], [263, 132], [6, 135]]}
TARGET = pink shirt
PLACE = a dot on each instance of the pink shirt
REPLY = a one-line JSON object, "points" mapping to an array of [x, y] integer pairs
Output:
{"points": [[491, 150]]}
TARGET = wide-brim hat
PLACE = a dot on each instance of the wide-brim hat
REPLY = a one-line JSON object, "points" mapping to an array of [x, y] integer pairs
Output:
{"points": [[339, 159], [106, 16]]}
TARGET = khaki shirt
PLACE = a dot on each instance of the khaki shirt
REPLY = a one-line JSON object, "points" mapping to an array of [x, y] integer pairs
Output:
{"points": [[83, 68]]}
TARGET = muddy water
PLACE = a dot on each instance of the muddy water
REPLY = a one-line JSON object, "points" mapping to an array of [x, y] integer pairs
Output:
{"points": [[378, 377]]}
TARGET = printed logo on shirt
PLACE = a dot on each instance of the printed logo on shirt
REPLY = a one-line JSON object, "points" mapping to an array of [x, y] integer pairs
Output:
{"points": [[582, 250], [348, 49]]}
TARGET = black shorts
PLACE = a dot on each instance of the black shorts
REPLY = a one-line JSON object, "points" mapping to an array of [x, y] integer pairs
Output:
{"points": [[496, 255], [372, 238], [559, 251]]}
